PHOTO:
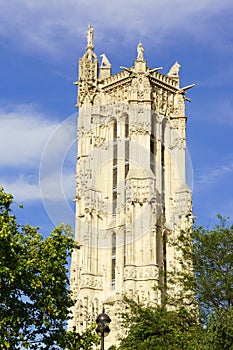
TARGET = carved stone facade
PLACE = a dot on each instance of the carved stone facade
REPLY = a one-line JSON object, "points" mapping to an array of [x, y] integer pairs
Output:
{"points": [[131, 183]]}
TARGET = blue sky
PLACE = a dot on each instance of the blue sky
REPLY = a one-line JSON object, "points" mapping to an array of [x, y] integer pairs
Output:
{"points": [[40, 43]]}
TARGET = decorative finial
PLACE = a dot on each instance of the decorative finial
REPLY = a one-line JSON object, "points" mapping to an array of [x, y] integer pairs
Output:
{"points": [[140, 52], [90, 37]]}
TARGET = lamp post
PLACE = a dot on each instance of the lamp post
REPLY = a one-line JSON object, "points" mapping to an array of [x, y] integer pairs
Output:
{"points": [[102, 329]]}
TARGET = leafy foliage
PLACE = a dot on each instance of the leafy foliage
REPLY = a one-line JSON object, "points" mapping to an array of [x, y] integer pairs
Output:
{"points": [[213, 261], [157, 328], [219, 328], [34, 295], [84, 341]]}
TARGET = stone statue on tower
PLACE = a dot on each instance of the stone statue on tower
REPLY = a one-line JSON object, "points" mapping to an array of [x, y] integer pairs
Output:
{"points": [[90, 37]]}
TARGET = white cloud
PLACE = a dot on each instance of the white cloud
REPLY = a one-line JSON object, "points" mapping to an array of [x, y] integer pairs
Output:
{"points": [[211, 176], [58, 186], [57, 201], [213, 193], [34, 154], [23, 134], [52, 25], [54, 188], [22, 188], [57, 194]]}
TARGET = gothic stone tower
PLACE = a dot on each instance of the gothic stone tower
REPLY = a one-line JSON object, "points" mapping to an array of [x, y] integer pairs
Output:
{"points": [[131, 187]]}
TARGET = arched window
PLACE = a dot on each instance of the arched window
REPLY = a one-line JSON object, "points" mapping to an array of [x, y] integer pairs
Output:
{"points": [[126, 145], [114, 170], [114, 130], [152, 143], [163, 160], [113, 259]]}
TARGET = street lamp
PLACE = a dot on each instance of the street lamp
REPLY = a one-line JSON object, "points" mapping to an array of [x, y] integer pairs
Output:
{"points": [[102, 329]]}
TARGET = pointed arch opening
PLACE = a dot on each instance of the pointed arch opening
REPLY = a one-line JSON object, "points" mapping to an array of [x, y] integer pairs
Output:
{"points": [[113, 272]]}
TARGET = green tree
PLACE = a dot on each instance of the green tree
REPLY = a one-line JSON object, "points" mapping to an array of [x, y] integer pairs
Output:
{"points": [[34, 294], [205, 279], [213, 264], [219, 328], [82, 341], [158, 328]]}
